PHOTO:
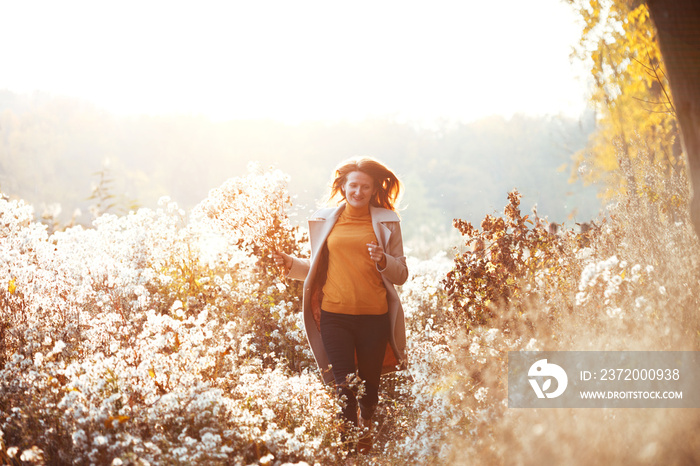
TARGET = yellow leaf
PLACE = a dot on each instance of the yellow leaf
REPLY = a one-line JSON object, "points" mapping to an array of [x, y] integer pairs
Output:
{"points": [[109, 422], [152, 373], [12, 287]]}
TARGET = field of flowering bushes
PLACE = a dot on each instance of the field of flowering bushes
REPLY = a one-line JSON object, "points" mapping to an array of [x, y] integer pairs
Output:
{"points": [[167, 337]]}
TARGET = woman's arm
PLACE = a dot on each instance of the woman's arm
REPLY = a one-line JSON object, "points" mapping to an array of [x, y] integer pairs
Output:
{"points": [[293, 267], [391, 262], [299, 268]]}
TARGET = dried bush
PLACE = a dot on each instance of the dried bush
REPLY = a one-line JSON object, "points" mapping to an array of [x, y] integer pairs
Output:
{"points": [[629, 284]]}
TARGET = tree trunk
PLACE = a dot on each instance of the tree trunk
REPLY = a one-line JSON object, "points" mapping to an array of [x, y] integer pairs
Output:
{"points": [[678, 27]]}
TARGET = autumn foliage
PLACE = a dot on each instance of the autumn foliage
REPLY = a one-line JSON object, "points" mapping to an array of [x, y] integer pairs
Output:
{"points": [[164, 338], [631, 96], [509, 258]]}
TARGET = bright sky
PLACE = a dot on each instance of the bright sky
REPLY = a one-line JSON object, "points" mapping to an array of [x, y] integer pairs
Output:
{"points": [[296, 60]]}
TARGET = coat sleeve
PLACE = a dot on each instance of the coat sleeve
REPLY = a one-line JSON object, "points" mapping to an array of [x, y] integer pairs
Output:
{"points": [[299, 269], [395, 270]]}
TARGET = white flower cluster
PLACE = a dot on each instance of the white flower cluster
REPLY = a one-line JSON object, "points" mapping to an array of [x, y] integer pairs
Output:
{"points": [[140, 341], [249, 208], [615, 281]]}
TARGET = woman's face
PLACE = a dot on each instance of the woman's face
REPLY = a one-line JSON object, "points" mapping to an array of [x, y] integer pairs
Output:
{"points": [[358, 189]]}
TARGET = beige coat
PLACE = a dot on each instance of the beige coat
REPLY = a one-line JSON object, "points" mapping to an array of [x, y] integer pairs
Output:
{"points": [[388, 232]]}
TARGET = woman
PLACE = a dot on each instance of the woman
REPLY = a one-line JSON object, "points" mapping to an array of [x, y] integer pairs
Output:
{"points": [[352, 314]]}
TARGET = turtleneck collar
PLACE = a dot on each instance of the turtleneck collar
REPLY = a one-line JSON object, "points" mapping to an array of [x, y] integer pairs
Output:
{"points": [[355, 212]]}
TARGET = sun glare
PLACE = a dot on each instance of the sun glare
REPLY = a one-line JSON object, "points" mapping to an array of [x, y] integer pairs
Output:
{"points": [[296, 61]]}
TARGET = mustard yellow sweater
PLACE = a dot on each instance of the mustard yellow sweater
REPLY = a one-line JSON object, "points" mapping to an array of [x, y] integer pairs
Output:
{"points": [[354, 285]]}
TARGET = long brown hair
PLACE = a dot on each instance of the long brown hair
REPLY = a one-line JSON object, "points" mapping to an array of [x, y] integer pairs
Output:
{"points": [[387, 185]]}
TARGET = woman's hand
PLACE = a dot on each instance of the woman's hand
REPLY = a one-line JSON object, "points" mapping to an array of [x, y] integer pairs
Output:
{"points": [[376, 253], [282, 260]]}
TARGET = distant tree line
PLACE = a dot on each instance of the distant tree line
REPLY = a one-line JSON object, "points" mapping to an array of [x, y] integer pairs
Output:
{"points": [[58, 150]]}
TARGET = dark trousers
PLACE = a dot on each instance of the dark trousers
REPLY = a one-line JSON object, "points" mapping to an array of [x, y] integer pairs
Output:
{"points": [[366, 336]]}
